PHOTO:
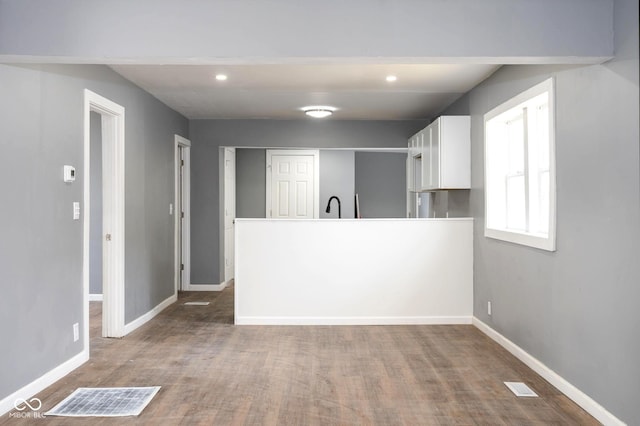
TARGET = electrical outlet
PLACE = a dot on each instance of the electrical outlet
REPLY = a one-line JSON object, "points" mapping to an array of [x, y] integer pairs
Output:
{"points": [[489, 308], [76, 332]]}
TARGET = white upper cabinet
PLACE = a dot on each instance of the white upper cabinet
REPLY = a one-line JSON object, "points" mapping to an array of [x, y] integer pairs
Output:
{"points": [[446, 152]]}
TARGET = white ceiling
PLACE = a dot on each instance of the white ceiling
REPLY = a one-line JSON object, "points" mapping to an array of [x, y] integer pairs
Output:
{"points": [[359, 92]]}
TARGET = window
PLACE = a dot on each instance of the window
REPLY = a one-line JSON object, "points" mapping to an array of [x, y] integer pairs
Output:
{"points": [[520, 169]]}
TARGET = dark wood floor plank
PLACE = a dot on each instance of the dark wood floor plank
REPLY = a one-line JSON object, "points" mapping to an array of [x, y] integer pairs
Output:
{"points": [[213, 372]]}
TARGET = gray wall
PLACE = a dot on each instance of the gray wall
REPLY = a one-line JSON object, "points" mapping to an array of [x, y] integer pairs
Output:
{"points": [[458, 203], [381, 184], [400, 29], [576, 309], [454, 203], [208, 135], [41, 129], [251, 182], [336, 178], [95, 233]]}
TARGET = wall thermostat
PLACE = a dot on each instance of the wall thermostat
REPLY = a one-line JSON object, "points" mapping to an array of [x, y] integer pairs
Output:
{"points": [[69, 173]]}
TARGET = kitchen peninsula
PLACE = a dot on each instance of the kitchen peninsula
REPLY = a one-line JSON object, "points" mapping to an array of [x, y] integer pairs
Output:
{"points": [[357, 271]]}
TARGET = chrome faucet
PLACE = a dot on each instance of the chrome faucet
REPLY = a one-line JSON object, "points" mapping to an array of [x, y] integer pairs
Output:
{"points": [[328, 210]]}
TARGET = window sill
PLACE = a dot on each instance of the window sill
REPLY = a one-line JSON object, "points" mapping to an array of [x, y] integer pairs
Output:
{"points": [[531, 240]]}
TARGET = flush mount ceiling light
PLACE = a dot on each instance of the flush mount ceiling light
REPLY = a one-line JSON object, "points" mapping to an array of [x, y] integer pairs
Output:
{"points": [[391, 78], [221, 77], [317, 111]]}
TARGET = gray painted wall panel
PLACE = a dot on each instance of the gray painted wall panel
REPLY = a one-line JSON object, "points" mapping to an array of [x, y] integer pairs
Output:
{"points": [[40, 250], [337, 177], [454, 203], [458, 203], [251, 181], [381, 184], [41, 129], [575, 309], [359, 29], [208, 135]]}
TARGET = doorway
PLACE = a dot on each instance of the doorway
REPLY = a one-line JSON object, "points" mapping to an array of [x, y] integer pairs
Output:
{"points": [[112, 212], [182, 213], [293, 187], [95, 220], [229, 213]]}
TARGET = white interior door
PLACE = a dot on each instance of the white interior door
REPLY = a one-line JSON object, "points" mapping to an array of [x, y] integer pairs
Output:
{"points": [[229, 211], [292, 184]]}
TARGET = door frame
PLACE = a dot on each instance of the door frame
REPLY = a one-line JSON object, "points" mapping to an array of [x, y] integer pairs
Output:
{"points": [[185, 144], [316, 176], [113, 217], [228, 189]]}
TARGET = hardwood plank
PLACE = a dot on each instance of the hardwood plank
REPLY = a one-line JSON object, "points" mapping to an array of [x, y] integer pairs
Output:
{"points": [[213, 372]]}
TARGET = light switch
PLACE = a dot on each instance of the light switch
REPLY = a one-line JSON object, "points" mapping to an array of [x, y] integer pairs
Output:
{"points": [[170, 208], [69, 174], [76, 210]]}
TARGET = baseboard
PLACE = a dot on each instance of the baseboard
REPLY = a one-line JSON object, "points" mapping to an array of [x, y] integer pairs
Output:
{"points": [[206, 287], [141, 320], [41, 383], [572, 392], [244, 320], [95, 297]]}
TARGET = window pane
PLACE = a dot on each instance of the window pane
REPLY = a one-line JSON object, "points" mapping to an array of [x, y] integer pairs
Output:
{"points": [[542, 136], [515, 145], [519, 169], [516, 215]]}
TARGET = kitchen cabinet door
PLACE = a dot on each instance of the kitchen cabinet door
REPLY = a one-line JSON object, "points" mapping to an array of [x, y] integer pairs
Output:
{"points": [[446, 156]]}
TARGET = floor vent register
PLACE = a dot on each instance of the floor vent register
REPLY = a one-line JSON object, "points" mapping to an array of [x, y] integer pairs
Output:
{"points": [[105, 402], [520, 389]]}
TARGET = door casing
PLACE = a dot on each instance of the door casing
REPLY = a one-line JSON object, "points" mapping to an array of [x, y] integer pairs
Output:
{"points": [[229, 211], [182, 205], [113, 217]]}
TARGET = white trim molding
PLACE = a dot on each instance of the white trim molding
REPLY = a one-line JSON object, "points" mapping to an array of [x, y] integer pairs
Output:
{"points": [[248, 320], [44, 381], [576, 395], [113, 182], [185, 203], [207, 287], [143, 319], [497, 166], [95, 298]]}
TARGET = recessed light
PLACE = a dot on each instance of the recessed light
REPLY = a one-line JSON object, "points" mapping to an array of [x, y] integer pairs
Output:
{"points": [[221, 77], [391, 78], [318, 111]]}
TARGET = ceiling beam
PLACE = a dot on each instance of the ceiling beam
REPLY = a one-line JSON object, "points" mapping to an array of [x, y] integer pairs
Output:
{"points": [[304, 31]]}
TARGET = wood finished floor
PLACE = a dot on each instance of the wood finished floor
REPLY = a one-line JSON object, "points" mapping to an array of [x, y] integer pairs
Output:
{"points": [[215, 373]]}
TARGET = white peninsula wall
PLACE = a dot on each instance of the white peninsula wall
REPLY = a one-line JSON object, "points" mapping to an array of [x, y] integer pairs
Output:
{"points": [[357, 271]]}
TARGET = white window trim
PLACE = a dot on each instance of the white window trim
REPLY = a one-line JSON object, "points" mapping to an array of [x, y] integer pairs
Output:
{"points": [[528, 239]]}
